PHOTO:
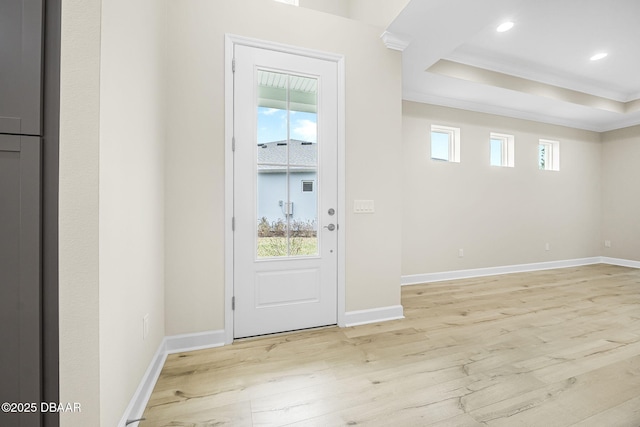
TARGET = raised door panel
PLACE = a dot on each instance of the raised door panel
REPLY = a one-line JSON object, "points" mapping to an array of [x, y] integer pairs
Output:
{"points": [[20, 282], [21, 66]]}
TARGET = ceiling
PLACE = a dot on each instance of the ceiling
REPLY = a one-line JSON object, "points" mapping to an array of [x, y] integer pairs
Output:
{"points": [[539, 70]]}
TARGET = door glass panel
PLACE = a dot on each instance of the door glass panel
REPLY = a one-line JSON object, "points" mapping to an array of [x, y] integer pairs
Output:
{"points": [[287, 165]]}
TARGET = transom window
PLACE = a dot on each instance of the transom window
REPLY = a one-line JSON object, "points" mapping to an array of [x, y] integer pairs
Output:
{"points": [[549, 155], [502, 150], [445, 143]]}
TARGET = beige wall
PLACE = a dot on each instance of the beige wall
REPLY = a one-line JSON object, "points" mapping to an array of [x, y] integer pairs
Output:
{"points": [[376, 12], [195, 150], [111, 203], [621, 198], [379, 13], [78, 210], [131, 197], [498, 216], [334, 7]]}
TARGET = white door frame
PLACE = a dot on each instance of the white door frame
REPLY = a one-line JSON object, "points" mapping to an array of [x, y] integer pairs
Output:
{"points": [[230, 42]]}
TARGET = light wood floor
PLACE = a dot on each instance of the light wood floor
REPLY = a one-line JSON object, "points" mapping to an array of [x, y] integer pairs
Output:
{"points": [[549, 348]]}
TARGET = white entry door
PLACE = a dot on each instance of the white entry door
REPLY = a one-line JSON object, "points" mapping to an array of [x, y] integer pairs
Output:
{"points": [[285, 192]]}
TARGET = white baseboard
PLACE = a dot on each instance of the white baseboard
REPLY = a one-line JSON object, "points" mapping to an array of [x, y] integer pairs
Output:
{"points": [[210, 339], [414, 279], [197, 341], [169, 345], [373, 315], [138, 402], [620, 262]]}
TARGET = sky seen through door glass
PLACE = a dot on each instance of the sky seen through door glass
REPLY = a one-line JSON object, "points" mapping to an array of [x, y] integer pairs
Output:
{"points": [[272, 125]]}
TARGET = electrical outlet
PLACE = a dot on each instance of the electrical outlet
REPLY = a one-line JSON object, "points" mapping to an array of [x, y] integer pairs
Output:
{"points": [[607, 243], [460, 253], [145, 326], [547, 247]]}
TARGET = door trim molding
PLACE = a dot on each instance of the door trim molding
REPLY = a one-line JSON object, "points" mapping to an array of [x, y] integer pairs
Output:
{"points": [[230, 42]]}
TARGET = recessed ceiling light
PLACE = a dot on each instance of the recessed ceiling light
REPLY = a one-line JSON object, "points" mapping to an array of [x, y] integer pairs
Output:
{"points": [[505, 26], [598, 56]]}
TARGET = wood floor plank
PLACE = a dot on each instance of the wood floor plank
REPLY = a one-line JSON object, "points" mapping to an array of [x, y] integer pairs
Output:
{"points": [[625, 414], [568, 400], [237, 414], [553, 348]]}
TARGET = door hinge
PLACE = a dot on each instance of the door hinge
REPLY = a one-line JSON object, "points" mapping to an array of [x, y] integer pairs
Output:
{"points": [[233, 65], [233, 143], [233, 303], [233, 223]]}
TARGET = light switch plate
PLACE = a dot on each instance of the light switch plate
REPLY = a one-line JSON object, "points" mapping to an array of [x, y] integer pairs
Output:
{"points": [[363, 206]]}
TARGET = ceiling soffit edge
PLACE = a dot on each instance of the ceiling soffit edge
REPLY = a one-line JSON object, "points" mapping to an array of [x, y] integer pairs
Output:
{"points": [[482, 58], [506, 81], [416, 96]]}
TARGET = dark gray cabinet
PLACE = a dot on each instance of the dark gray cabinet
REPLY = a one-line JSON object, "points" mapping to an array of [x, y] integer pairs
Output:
{"points": [[28, 147], [21, 60], [20, 277]]}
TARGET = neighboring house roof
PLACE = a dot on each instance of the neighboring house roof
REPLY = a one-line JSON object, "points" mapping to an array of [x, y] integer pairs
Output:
{"points": [[272, 156]]}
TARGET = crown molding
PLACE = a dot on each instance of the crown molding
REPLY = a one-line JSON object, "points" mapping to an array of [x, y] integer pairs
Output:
{"points": [[395, 41]]}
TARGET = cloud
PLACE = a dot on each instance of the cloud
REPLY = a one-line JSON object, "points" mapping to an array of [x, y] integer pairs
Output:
{"points": [[305, 130], [270, 111]]}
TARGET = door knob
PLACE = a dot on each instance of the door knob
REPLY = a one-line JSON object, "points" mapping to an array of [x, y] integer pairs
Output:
{"points": [[331, 227]]}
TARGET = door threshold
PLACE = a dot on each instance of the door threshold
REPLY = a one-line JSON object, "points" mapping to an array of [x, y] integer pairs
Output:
{"points": [[277, 334]]}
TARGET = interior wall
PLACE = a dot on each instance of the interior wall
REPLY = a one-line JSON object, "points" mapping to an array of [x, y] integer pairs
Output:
{"points": [[621, 204], [131, 197], [376, 12], [497, 215], [195, 150], [379, 13], [111, 203], [78, 211], [334, 7]]}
